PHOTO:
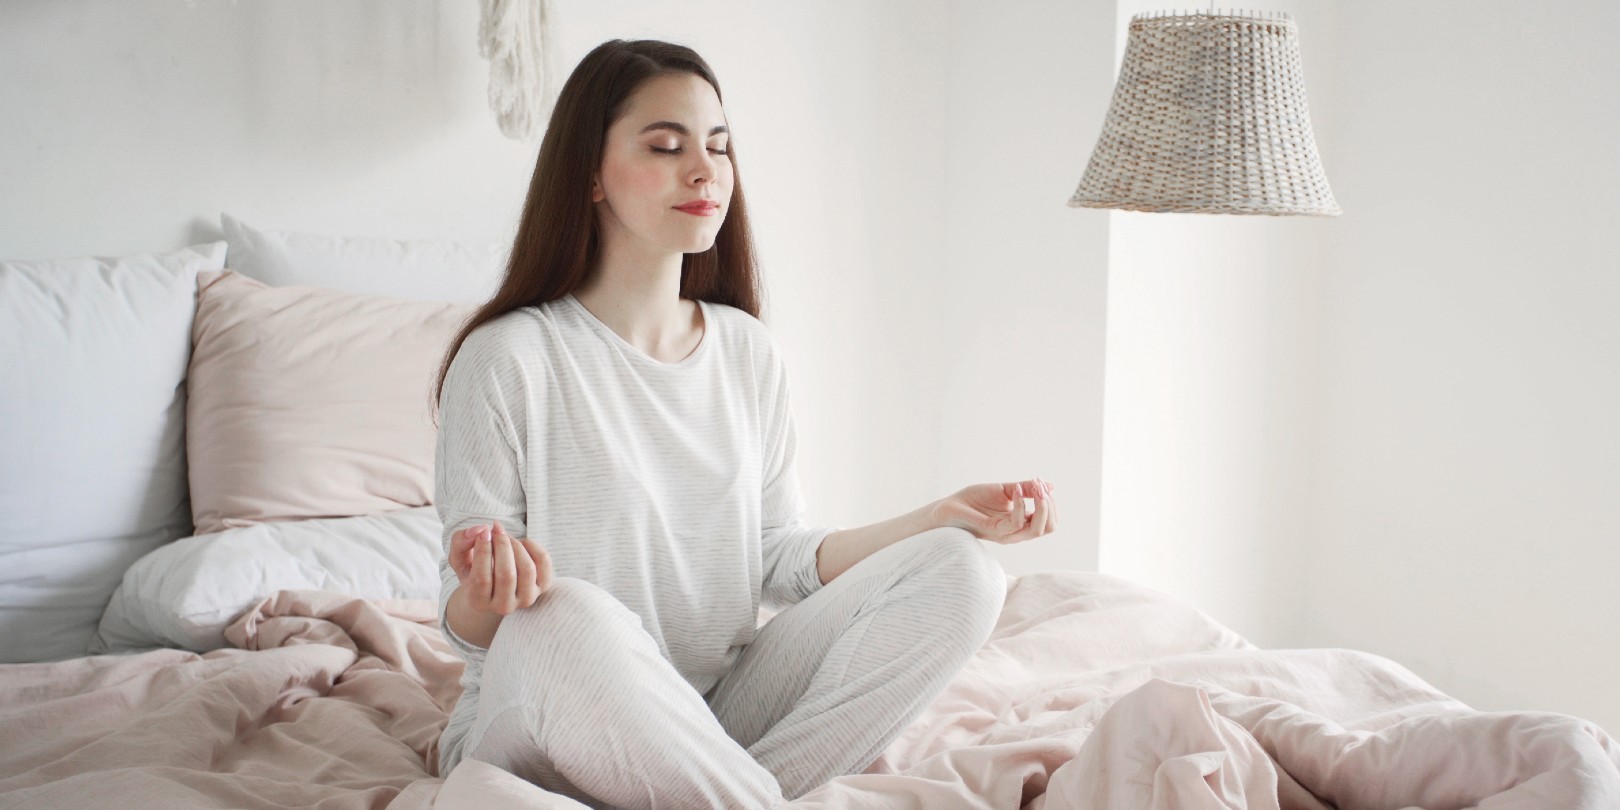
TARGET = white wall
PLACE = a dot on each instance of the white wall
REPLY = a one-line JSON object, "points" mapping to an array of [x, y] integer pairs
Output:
{"points": [[1394, 430], [1025, 280], [130, 125], [907, 165], [1467, 512]]}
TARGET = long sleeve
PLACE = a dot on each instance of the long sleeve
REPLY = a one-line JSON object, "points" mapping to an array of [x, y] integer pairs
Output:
{"points": [[479, 458], [787, 546], [669, 486]]}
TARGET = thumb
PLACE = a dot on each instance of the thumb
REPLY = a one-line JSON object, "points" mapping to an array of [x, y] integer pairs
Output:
{"points": [[461, 546]]}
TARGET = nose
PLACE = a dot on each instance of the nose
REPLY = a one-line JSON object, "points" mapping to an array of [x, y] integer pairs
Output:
{"points": [[706, 168]]}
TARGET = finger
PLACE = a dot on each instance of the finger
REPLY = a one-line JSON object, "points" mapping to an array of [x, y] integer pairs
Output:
{"points": [[505, 590], [542, 563], [461, 549], [523, 567], [482, 585], [1025, 523], [1043, 511], [1029, 523], [1020, 513], [1051, 509], [480, 534], [1014, 489], [1035, 489]]}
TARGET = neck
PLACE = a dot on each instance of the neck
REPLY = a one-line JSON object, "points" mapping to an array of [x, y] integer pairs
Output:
{"points": [[639, 298]]}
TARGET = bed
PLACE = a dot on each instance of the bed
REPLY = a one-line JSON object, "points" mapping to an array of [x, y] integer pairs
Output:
{"points": [[1091, 692], [253, 625]]}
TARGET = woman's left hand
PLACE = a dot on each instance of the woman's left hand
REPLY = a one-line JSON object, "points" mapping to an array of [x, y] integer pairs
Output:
{"points": [[996, 511]]}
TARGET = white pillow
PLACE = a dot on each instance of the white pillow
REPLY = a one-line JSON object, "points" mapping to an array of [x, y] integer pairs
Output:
{"points": [[186, 593], [441, 270], [93, 356]]}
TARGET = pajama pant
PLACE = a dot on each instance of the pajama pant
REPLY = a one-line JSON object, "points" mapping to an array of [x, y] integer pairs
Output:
{"points": [[576, 697]]}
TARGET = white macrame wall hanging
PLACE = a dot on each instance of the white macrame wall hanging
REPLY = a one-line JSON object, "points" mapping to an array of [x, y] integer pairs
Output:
{"points": [[515, 36]]}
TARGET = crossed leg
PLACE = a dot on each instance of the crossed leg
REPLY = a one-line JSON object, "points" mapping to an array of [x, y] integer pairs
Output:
{"points": [[575, 696]]}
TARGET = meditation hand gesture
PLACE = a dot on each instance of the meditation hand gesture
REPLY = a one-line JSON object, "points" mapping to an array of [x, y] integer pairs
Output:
{"points": [[498, 573], [996, 511]]}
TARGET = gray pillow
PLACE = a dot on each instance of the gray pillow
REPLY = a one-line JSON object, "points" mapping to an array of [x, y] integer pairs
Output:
{"points": [[93, 355]]}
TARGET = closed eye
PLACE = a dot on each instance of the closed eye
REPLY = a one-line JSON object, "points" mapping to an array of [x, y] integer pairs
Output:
{"points": [[677, 150]]}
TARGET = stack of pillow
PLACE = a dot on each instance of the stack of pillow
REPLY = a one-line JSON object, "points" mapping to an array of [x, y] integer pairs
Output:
{"points": [[185, 433]]}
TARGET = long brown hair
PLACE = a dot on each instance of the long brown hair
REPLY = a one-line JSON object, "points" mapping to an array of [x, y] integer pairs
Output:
{"points": [[558, 243]]}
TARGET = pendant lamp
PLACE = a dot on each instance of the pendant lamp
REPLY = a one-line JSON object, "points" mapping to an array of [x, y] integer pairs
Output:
{"points": [[1208, 117]]}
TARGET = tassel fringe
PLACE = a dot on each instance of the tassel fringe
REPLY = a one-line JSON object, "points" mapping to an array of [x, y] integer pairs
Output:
{"points": [[515, 36]]}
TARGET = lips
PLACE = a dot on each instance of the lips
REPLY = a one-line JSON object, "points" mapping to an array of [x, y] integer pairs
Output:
{"points": [[702, 207]]}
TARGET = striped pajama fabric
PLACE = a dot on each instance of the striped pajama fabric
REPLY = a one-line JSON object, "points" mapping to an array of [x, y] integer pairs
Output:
{"points": [[576, 697]]}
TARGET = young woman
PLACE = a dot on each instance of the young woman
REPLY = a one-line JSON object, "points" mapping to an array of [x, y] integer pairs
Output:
{"points": [[615, 474]]}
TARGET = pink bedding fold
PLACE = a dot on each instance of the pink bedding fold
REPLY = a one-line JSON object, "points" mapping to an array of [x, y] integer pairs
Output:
{"points": [[1091, 692]]}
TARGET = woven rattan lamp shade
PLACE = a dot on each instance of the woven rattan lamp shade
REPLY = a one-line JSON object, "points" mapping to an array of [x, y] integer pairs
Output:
{"points": [[1208, 117]]}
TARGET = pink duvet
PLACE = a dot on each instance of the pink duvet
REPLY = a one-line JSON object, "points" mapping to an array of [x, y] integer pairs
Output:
{"points": [[1091, 693]]}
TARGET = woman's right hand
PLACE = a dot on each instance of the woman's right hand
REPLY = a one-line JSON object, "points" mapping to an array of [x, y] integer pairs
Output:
{"points": [[499, 574]]}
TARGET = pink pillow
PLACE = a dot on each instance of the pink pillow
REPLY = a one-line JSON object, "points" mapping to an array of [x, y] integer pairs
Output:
{"points": [[305, 402]]}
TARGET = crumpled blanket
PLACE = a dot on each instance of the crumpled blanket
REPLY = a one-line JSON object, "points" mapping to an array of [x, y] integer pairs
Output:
{"points": [[1091, 692]]}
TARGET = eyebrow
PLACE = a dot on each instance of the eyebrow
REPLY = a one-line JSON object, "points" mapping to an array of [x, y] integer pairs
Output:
{"points": [[681, 128]]}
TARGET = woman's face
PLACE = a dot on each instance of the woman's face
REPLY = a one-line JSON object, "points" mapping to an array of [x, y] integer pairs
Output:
{"points": [[650, 166]]}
